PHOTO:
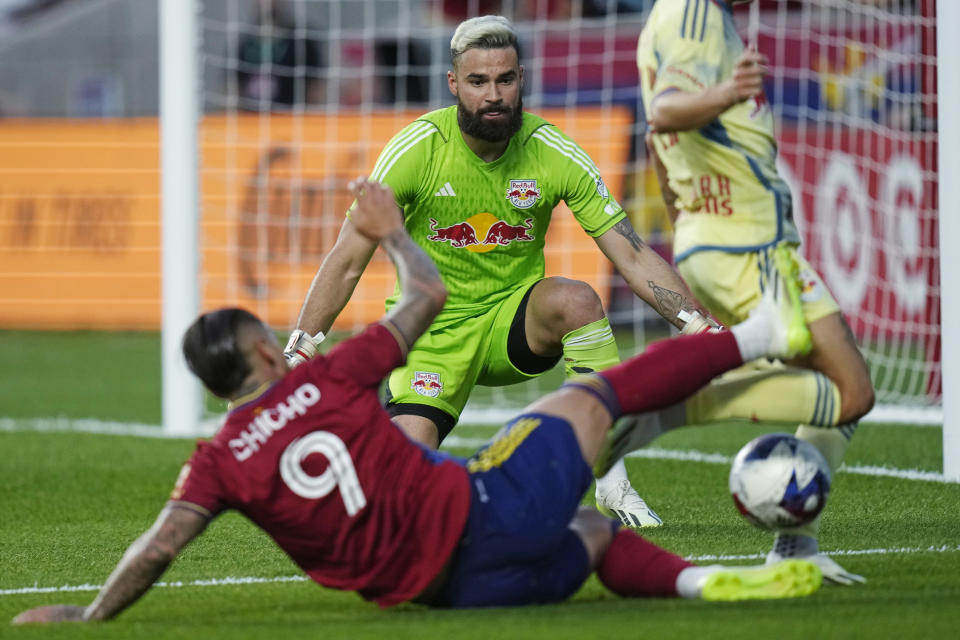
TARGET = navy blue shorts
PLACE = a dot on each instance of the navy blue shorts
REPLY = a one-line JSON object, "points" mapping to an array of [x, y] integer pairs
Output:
{"points": [[516, 547]]}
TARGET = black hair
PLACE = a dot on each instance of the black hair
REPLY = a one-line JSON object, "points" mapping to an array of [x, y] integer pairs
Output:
{"points": [[211, 349]]}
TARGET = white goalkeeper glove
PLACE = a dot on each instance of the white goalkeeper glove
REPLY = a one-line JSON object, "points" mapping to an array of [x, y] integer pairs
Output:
{"points": [[301, 347], [833, 572], [804, 547], [694, 323]]}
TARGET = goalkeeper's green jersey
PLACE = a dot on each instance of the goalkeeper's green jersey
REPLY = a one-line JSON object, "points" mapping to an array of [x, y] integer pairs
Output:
{"points": [[730, 195], [483, 223]]}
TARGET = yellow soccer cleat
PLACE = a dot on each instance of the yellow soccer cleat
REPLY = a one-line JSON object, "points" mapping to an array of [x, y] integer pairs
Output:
{"points": [[786, 579], [799, 341]]}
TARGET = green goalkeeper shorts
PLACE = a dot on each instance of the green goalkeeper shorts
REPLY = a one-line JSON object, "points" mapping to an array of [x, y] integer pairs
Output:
{"points": [[445, 364]]}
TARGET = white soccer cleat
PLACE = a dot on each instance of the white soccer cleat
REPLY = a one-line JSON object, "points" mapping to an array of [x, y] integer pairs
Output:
{"points": [[625, 504], [787, 546], [786, 579]]}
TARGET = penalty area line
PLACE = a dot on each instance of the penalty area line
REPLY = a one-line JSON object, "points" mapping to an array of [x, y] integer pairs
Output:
{"points": [[231, 581]]}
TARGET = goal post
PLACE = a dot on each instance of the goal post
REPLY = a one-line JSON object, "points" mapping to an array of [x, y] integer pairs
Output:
{"points": [[948, 102], [182, 395]]}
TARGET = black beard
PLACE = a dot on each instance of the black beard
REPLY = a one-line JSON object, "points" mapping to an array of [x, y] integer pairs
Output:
{"points": [[474, 125]]}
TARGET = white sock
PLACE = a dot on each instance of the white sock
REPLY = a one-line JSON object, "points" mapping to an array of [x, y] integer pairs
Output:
{"points": [[753, 336], [690, 581], [788, 545], [616, 475]]}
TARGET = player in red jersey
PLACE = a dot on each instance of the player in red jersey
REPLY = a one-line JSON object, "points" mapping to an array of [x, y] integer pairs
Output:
{"points": [[311, 457]]}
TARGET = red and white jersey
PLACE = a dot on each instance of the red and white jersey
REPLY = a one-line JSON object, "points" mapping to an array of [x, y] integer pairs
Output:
{"points": [[316, 462]]}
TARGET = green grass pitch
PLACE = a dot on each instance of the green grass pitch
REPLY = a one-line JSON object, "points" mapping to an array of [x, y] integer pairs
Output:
{"points": [[72, 502]]}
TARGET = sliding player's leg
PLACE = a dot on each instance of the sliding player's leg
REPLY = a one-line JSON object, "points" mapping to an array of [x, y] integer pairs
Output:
{"points": [[769, 331], [560, 317], [527, 485], [732, 397], [634, 567], [528, 540]]}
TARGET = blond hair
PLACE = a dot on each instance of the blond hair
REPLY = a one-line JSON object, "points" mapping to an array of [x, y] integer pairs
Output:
{"points": [[483, 32]]}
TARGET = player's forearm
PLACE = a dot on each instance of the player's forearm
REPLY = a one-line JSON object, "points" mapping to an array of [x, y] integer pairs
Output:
{"points": [[683, 110], [422, 292], [655, 281], [142, 564], [649, 276], [327, 296], [333, 285]]}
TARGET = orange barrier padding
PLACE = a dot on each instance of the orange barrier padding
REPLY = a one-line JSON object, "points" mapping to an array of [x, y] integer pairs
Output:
{"points": [[80, 217]]}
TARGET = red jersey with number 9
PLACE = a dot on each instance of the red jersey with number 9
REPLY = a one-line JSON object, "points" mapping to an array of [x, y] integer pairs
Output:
{"points": [[316, 462]]}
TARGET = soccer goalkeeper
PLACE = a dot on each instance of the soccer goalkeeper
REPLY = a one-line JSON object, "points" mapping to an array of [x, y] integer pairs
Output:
{"points": [[714, 149], [477, 183]]}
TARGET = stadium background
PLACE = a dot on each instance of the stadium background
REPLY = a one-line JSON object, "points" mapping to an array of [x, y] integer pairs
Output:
{"points": [[853, 85]]}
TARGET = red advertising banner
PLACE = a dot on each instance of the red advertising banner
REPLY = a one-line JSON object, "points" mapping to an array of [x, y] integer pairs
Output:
{"points": [[866, 204]]}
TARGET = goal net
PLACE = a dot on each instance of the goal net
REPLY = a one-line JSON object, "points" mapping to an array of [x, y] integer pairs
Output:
{"points": [[300, 97]]}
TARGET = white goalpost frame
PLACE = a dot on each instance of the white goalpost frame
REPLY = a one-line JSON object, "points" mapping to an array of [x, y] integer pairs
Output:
{"points": [[948, 131], [182, 403]]}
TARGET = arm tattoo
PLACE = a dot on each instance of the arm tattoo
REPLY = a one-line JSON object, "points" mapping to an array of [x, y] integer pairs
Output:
{"points": [[625, 229], [669, 302]]}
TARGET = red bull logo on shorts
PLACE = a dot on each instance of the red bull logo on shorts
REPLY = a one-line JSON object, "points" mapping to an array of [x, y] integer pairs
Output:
{"points": [[426, 384], [523, 193], [482, 232]]}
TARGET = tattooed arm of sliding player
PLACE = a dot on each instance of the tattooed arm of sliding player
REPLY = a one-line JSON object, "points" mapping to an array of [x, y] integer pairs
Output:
{"points": [[651, 277]]}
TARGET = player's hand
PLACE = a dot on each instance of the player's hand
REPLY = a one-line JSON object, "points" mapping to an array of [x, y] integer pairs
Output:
{"points": [[301, 347], [375, 214], [746, 81], [833, 572], [51, 613]]}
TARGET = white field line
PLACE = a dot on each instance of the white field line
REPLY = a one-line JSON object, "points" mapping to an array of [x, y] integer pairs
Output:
{"points": [[229, 581], [206, 582], [134, 429], [718, 458]]}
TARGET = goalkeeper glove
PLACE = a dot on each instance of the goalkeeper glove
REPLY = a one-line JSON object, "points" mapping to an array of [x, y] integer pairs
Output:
{"points": [[694, 323], [301, 347]]}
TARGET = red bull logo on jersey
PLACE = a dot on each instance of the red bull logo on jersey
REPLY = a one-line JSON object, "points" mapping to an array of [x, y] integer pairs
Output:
{"points": [[426, 384], [503, 234], [523, 194], [458, 235], [482, 232]]}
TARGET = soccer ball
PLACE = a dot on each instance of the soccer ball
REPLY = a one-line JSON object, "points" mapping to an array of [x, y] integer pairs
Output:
{"points": [[779, 482]]}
